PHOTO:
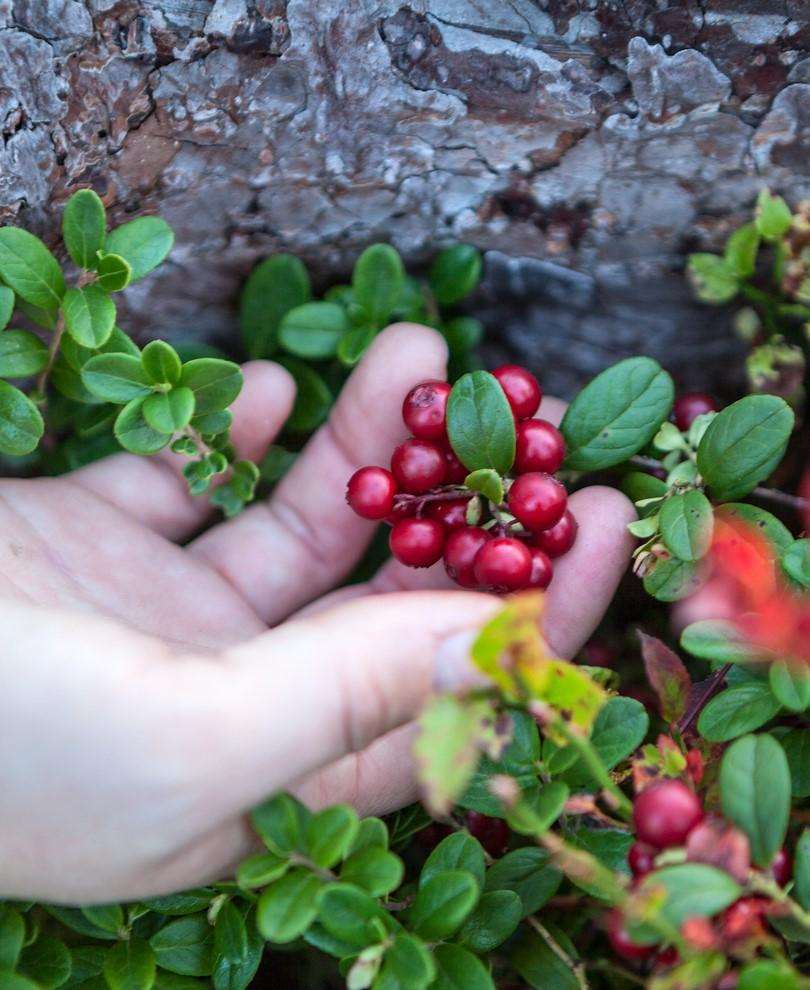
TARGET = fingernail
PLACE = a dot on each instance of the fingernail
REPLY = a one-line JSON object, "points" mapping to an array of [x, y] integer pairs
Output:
{"points": [[454, 669]]}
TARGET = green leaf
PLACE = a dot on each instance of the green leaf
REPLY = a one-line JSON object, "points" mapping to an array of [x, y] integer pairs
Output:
{"points": [[87, 965], [463, 334], [186, 902], [619, 730], [13, 981], [539, 965], [260, 869], [144, 243], [30, 269], [768, 974], [693, 890], [528, 873], [458, 851], [538, 809], [354, 344], [281, 824], [238, 974], [519, 761], [12, 936], [47, 962], [375, 869], [616, 414], [480, 424], [795, 560], [313, 399], [408, 965], [455, 273], [230, 934], [130, 965], [377, 281], [687, 524], [741, 250], [275, 286], [215, 383], [114, 272], [488, 482], [713, 278], [171, 981], [773, 217], [796, 745], [73, 919], [115, 377], [167, 412], [672, 579], [89, 315], [609, 845], [495, 918], [791, 685], [755, 793], [743, 444], [719, 641], [161, 363], [347, 913], [185, 946], [288, 906], [801, 870], [21, 425], [84, 227], [372, 832], [6, 305], [134, 433], [639, 486], [737, 710], [764, 522], [442, 904], [110, 917], [21, 354], [458, 969], [313, 330], [330, 834]]}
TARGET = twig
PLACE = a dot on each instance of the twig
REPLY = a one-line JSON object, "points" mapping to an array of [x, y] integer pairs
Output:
{"points": [[53, 352], [603, 966], [597, 769], [578, 969], [713, 685]]}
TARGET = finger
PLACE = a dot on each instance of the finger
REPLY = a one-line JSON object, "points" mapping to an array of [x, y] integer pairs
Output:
{"points": [[552, 409], [153, 489], [288, 551]]}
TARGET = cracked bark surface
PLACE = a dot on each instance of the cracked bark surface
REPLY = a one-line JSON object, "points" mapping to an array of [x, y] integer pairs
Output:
{"points": [[586, 146]]}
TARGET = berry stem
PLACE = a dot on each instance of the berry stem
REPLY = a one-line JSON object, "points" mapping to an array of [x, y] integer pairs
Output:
{"points": [[761, 884], [577, 968], [598, 771], [420, 501]]}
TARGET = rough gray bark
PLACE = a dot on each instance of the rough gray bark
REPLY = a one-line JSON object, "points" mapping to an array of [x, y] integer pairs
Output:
{"points": [[585, 145]]}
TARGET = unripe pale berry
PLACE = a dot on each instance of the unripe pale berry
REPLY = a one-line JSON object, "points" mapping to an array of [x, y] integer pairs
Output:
{"points": [[560, 537], [417, 542], [521, 389], [542, 569], [460, 551], [371, 492], [689, 406], [503, 564], [424, 410], [665, 812], [539, 446], [452, 513], [537, 500], [418, 466]]}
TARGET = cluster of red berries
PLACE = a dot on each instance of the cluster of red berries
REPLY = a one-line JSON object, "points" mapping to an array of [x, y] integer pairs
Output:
{"points": [[424, 499], [664, 815]]}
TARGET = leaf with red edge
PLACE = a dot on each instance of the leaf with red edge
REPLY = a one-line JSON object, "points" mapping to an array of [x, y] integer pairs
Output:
{"points": [[667, 675]]}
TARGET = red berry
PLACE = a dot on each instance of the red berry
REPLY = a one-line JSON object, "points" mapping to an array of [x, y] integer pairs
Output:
{"points": [[521, 389], [598, 653], [666, 958], [417, 542], [503, 564], [542, 569], [560, 537], [371, 492], [641, 858], [665, 813], [424, 410], [492, 833], [689, 406], [460, 551], [782, 867], [743, 919], [418, 466], [454, 470], [451, 513], [622, 944], [539, 447], [431, 835], [728, 981], [537, 500]]}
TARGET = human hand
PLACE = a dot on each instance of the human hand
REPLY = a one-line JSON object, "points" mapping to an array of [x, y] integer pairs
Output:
{"points": [[144, 706]]}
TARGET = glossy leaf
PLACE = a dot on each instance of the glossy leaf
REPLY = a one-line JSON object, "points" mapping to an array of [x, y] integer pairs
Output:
{"points": [[713, 278], [12, 936], [458, 969], [795, 560], [260, 869], [737, 710], [458, 851], [790, 683], [21, 425], [347, 913], [408, 965], [672, 579], [288, 906], [84, 226], [134, 432], [529, 873], [375, 869], [455, 273], [215, 383], [185, 946], [488, 482], [89, 315], [144, 243], [21, 354], [495, 918], [130, 965], [114, 272], [110, 917], [354, 344], [796, 745], [115, 377], [281, 823], [313, 331], [230, 933], [442, 904], [692, 890], [377, 281], [801, 870], [717, 640], [619, 729], [330, 834], [275, 286], [30, 269], [539, 965], [764, 522], [687, 524], [6, 305], [161, 363], [480, 424], [47, 962]]}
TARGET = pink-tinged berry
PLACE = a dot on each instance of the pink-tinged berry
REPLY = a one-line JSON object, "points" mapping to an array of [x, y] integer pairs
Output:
{"points": [[521, 388], [542, 569], [560, 537], [689, 406], [620, 939], [743, 919], [454, 470], [424, 410], [452, 513], [539, 447], [782, 867], [418, 466], [537, 500], [641, 859], [503, 564], [371, 492], [417, 542], [492, 833], [460, 551], [665, 813]]}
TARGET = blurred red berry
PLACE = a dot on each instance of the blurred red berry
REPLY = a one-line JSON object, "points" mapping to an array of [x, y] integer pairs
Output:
{"points": [[689, 406], [743, 919], [492, 833], [665, 813], [641, 858], [782, 867], [620, 939]]}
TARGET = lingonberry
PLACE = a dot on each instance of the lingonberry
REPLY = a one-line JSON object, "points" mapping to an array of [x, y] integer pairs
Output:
{"points": [[665, 812], [460, 551], [689, 406], [641, 858], [560, 537], [542, 569], [521, 389], [424, 410], [454, 470], [666, 958], [431, 835], [743, 919], [620, 939], [503, 564], [451, 513], [598, 653], [371, 492], [418, 466], [417, 542], [782, 867], [728, 981], [492, 833], [537, 500], [539, 446]]}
